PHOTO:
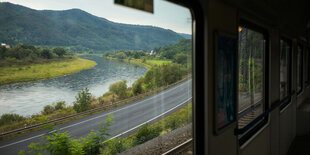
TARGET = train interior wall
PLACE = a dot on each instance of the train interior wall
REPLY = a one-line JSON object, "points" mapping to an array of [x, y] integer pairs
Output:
{"points": [[276, 136]]}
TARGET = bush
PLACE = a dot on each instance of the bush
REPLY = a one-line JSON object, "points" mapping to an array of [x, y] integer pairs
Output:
{"points": [[116, 146], [59, 51], [137, 86], [101, 101], [83, 101], [46, 54], [119, 88], [10, 118], [146, 133], [174, 122], [48, 109], [60, 105], [62, 143]]}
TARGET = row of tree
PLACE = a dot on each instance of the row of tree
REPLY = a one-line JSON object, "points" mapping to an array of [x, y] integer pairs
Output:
{"points": [[154, 78], [180, 53], [26, 52]]}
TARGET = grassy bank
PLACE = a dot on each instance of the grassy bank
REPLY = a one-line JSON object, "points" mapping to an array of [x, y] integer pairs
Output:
{"points": [[147, 132], [149, 63], [14, 74]]}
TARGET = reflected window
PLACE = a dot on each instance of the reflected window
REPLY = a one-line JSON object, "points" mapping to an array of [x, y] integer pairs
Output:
{"points": [[299, 69], [252, 46], [285, 49]]}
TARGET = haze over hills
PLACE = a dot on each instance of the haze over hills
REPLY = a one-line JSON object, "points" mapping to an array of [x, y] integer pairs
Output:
{"points": [[186, 36], [74, 27]]}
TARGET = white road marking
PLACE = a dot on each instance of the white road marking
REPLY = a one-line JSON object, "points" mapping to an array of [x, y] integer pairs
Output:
{"points": [[106, 115], [151, 119]]}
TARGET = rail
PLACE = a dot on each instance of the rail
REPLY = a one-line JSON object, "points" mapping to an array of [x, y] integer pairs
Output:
{"points": [[180, 148], [91, 110]]}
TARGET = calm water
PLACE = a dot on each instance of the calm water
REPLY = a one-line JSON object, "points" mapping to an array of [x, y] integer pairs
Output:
{"points": [[30, 98]]}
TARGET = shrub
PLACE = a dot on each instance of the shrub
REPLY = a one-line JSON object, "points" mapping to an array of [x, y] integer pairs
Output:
{"points": [[59, 51], [60, 105], [62, 143], [83, 101], [116, 146], [137, 86], [46, 54], [101, 101], [10, 118], [174, 122], [146, 133], [48, 109], [119, 88]]}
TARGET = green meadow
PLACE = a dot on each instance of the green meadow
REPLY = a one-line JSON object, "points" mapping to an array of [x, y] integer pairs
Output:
{"points": [[14, 74]]}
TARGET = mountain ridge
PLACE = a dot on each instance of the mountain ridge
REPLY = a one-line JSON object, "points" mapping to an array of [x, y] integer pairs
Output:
{"points": [[76, 27]]}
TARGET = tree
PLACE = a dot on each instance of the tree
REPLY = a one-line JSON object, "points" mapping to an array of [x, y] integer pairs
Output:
{"points": [[83, 101], [149, 79], [47, 54], [59, 51], [137, 86], [2, 52], [180, 58], [120, 55], [106, 54], [119, 88]]}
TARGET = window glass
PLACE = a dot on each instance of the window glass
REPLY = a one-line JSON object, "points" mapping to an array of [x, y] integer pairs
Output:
{"points": [[113, 77], [285, 49], [251, 74], [299, 69]]}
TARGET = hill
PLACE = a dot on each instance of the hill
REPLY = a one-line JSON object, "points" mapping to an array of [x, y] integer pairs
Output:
{"points": [[184, 46], [186, 36], [76, 28]]}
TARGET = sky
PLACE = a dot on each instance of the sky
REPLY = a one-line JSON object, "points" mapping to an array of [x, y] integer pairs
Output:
{"points": [[166, 14]]}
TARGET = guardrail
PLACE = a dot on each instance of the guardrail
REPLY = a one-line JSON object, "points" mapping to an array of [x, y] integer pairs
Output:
{"points": [[90, 111], [180, 148]]}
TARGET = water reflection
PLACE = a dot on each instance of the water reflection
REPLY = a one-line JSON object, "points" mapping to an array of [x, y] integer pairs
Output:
{"points": [[29, 98]]}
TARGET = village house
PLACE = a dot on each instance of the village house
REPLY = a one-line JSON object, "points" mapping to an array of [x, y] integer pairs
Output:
{"points": [[5, 45]]}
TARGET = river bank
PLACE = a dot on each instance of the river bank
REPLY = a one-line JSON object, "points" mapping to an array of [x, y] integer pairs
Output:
{"points": [[24, 73]]}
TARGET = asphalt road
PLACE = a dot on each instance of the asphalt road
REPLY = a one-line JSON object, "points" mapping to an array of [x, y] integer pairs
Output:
{"points": [[127, 118]]}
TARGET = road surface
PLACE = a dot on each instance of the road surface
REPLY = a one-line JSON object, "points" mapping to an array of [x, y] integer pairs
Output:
{"points": [[127, 118]]}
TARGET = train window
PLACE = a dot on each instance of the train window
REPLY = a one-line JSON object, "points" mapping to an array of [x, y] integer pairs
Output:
{"points": [[285, 70], [299, 69], [252, 48], [124, 76]]}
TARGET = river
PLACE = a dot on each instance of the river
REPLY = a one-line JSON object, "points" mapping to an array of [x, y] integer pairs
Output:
{"points": [[30, 97]]}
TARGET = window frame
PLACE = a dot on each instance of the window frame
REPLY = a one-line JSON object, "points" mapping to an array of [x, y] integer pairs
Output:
{"points": [[287, 99], [254, 126], [199, 115], [299, 92]]}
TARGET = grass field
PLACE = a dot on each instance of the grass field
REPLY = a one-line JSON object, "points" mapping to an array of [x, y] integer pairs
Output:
{"points": [[158, 62], [149, 63], [14, 74]]}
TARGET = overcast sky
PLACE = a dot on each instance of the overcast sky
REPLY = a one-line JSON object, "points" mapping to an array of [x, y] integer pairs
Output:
{"points": [[166, 14]]}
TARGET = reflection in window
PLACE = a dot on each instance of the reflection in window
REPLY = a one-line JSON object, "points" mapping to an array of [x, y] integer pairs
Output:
{"points": [[251, 75], [284, 68], [299, 69]]}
